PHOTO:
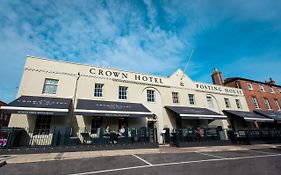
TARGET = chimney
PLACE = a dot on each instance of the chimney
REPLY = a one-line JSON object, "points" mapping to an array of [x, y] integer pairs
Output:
{"points": [[217, 77], [270, 82]]}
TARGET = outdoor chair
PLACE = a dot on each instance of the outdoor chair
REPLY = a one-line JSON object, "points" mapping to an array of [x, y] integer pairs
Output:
{"points": [[86, 137], [103, 138]]}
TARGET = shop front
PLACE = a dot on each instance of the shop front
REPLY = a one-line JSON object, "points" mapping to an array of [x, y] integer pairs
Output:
{"points": [[46, 117], [197, 125], [109, 122]]}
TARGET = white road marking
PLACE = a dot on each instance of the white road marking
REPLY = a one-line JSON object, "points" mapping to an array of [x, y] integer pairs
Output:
{"points": [[175, 163], [210, 155], [142, 159], [265, 152]]}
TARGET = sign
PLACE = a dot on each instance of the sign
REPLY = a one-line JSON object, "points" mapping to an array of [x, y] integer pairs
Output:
{"points": [[126, 76], [218, 89]]}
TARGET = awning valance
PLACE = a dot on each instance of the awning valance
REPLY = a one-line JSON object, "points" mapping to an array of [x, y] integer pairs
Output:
{"points": [[248, 116], [270, 114], [38, 105], [111, 108], [195, 113]]}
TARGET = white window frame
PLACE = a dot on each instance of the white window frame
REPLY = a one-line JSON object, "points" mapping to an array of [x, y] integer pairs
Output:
{"points": [[98, 91], [227, 103], [210, 102], [123, 91], [261, 88], [150, 95], [175, 97], [191, 99], [50, 86], [255, 102], [250, 86], [267, 103], [271, 90], [277, 104], [238, 103]]}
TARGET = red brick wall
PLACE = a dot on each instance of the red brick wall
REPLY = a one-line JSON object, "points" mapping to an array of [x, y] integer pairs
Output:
{"points": [[258, 94]]}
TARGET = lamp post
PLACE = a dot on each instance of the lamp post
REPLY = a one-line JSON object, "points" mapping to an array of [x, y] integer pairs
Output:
{"points": [[74, 101]]}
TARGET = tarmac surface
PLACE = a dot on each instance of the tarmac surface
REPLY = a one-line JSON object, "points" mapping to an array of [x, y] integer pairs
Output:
{"points": [[252, 160]]}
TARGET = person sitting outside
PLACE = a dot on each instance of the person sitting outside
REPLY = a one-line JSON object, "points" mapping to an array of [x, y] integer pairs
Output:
{"points": [[122, 131], [199, 133]]}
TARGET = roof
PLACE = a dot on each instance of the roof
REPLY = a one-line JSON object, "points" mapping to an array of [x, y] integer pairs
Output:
{"points": [[231, 79]]}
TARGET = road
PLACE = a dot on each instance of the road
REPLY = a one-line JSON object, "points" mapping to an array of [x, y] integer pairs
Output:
{"points": [[252, 162]]}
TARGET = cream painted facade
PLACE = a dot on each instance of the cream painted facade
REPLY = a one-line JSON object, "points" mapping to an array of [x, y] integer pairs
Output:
{"points": [[36, 70]]}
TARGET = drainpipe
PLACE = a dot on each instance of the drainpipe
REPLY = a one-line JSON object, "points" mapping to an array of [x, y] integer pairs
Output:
{"points": [[74, 101]]}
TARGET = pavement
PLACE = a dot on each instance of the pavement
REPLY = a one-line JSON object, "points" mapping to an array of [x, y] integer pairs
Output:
{"points": [[29, 158], [250, 160]]}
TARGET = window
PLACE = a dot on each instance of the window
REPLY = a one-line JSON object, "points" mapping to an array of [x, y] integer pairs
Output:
{"points": [[191, 99], [238, 104], [250, 86], [150, 95], [255, 102], [98, 90], [261, 88], [123, 92], [50, 86], [96, 123], [42, 125], [280, 91], [277, 104], [267, 104], [271, 90], [227, 102], [210, 102], [175, 96]]}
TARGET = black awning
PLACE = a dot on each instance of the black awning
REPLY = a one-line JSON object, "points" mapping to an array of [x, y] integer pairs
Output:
{"points": [[270, 114], [195, 113], [38, 105], [248, 116], [111, 108]]}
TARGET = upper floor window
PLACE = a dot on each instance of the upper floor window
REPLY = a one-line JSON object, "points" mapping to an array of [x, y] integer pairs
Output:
{"points": [[277, 104], [210, 102], [271, 90], [261, 88], [238, 104], [279, 90], [227, 102], [267, 104], [150, 95], [50, 86], [175, 96], [123, 92], [98, 90], [255, 102], [250, 86], [191, 99]]}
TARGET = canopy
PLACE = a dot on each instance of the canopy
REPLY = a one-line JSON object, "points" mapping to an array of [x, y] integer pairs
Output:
{"points": [[248, 116], [195, 113], [270, 114], [110, 108], [38, 105]]}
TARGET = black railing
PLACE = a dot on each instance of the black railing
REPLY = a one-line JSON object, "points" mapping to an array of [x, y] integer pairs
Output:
{"points": [[24, 137], [195, 136], [258, 135]]}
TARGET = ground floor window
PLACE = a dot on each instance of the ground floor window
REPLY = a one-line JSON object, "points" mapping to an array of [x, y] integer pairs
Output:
{"points": [[42, 125], [96, 123]]}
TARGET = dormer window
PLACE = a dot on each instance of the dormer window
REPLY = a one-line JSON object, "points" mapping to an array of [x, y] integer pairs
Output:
{"points": [[271, 90], [250, 86], [261, 88]]}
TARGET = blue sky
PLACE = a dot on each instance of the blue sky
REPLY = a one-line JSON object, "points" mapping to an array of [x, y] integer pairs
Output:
{"points": [[240, 38]]}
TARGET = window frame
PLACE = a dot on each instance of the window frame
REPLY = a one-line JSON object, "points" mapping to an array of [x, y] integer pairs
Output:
{"points": [[277, 104], [227, 102], [255, 102], [271, 90], [98, 91], [50, 88], [193, 99], [250, 86], [123, 93], [211, 102], [175, 97], [150, 97], [261, 88], [267, 103]]}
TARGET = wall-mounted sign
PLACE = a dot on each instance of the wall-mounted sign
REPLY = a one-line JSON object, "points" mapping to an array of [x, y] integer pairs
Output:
{"points": [[218, 89], [125, 75]]}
